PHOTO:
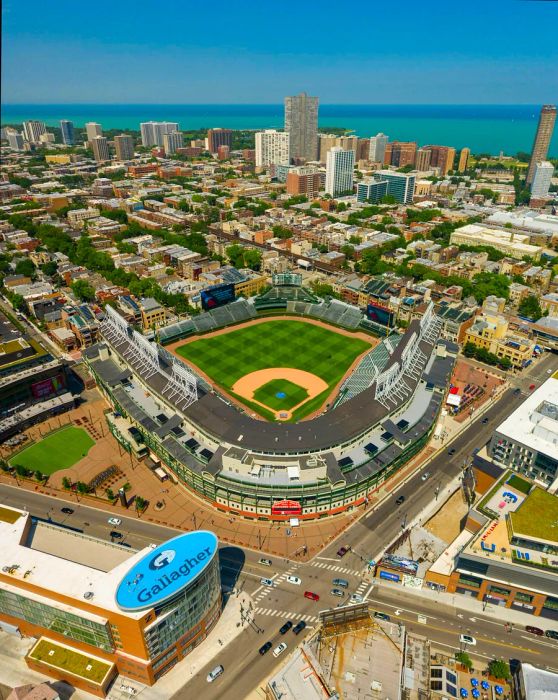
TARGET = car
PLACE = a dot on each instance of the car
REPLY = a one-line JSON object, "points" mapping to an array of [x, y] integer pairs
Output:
{"points": [[294, 580], [343, 550], [551, 634], [534, 630], [266, 582], [382, 616], [311, 596], [337, 592], [451, 451], [516, 392], [67, 511], [286, 627], [467, 639], [279, 649], [356, 598], [549, 371], [212, 675], [297, 629], [484, 421], [400, 500], [116, 535], [425, 476], [114, 521], [266, 647], [341, 582], [265, 562]]}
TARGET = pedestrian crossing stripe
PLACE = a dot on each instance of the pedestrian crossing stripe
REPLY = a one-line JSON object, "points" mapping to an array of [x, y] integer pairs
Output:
{"points": [[288, 615], [338, 569]]}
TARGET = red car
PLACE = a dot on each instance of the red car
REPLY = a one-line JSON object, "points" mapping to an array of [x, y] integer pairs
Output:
{"points": [[534, 630], [312, 596], [342, 551]]}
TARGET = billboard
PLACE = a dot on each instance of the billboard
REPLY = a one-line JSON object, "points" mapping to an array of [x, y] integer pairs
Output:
{"points": [[286, 508], [379, 314], [166, 570], [218, 295], [46, 387], [393, 561], [389, 576]]}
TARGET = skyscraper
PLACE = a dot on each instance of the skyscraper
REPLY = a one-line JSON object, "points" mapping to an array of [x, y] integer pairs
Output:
{"points": [[67, 129], [339, 171], [441, 157], [15, 139], [152, 133], [423, 159], [464, 159], [99, 144], [378, 148], [172, 141], [301, 123], [542, 179], [272, 148], [305, 179], [32, 130], [400, 153], [542, 139], [124, 144], [400, 185], [93, 129], [218, 137]]}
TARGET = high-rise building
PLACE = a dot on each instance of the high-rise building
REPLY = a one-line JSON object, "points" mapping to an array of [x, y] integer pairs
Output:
{"points": [[372, 191], [423, 159], [67, 129], [542, 139], [15, 139], [272, 148], [441, 157], [223, 152], [33, 130], [463, 159], [400, 153], [218, 137], [152, 133], [542, 179], [339, 171], [47, 137], [328, 141], [378, 148], [99, 144], [93, 129], [304, 179], [400, 185], [301, 123], [363, 149], [172, 141], [124, 144]]}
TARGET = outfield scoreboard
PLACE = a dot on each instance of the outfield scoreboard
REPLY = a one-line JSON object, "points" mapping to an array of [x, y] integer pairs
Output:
{"points": [[218, 295], [379, 314]]}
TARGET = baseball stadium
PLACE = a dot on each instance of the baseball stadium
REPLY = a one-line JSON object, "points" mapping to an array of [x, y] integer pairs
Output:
{"points": [[283, 405]]}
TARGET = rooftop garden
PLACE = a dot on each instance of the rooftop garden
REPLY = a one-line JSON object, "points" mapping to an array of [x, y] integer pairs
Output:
{"points": [[62, 657], [537, 516]]}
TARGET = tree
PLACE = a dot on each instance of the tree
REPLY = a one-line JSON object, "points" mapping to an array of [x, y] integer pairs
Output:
{"points": [[530, 307], [469, 350], [140, 503], [464, 659], [39, 475], [66, 483], [21, 470], [323, 290], [110, 494], [83, 290], [26, 268], [82, 487], [282, 231], [499, 669], [50, 268]]}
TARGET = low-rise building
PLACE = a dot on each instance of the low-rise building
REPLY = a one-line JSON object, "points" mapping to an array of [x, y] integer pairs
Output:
{"points": [[509, 242], [490, 332], [152, 313]]}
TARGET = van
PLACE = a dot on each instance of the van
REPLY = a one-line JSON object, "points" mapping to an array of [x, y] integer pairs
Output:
{"points": [[341, 582]]}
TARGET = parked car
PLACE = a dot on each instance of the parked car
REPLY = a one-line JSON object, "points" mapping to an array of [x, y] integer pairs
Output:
{"points": [[425, 476], [266, 647], [343, 550], [340, 582], [266, 582], [114, 521], [294, 580], [311, 596], [297, 629], [551, 634], [265, 562], [279, 649], [451, 451], [484, 421], [67, 511], [337, 592], [116, 535], [400, 500], [467, 639], [382, 616], [356, 598], [534, 630], [286, 627], [212, 675]]}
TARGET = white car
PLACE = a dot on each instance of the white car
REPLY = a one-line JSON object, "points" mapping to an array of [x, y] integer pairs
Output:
{"points": [[266, 582], [467, 639], [294, 580], [279, 649], [425, 476], [114, 521], [356, 598], [212, 675], [265, 562]]}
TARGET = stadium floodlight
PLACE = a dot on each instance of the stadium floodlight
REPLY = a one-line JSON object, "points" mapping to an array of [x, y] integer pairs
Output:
{"points": [[114, 328], [144, 354], [182, 387], [430, 325], [391, 386]]}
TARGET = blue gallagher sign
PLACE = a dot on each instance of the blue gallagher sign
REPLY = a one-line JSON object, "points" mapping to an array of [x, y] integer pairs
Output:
{"points": [[165, 570]]}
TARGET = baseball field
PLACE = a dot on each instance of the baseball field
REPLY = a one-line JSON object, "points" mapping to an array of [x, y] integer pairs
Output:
{"points": [[282, 369]]}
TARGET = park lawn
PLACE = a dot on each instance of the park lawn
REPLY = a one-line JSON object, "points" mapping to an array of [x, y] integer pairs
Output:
{"points": [[267, 394], [56, 451]]}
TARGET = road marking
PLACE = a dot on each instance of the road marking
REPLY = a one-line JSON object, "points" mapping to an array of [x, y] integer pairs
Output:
{"points": [[368, 592], [326, 559], [544, 644]]}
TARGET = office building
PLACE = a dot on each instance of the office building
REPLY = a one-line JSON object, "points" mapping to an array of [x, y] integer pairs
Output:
{"points": [[272, 148], [93, 129], [15, 139], [348, 143], [441, 157], [400, 185], [67, 129], [423, 159], [542, 179], [339, 171], [33, 130], [507, 241], [378, 145], [223, 152], [542, 139], [301, 123], [218, 137], [133, 612], [172, 141], [363, 149], [490, 332], [304, 179], [372, 191], [124, 144], [152, 133], [464, 159], [100, 148], [400, 153]]}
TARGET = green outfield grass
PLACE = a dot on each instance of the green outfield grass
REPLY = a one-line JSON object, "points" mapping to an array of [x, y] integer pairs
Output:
{"points": [[56, 451], [267, 394], [228, 357]]}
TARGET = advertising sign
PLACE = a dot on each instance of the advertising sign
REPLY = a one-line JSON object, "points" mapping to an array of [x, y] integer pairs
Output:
{"points": [[46, 387], [389, 576], [165, 570], [379, 314], [286, 507], [218, 295], [407, 566]]}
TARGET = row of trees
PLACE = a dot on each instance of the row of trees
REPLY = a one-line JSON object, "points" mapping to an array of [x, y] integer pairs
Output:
{"points": [[483, 355]]}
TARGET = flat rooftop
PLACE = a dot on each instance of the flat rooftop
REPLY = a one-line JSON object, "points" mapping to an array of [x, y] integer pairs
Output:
{"points": [[537, 517]]}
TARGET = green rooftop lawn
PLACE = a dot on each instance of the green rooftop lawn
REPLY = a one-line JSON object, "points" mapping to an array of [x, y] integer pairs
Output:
{"points": [[7, 515], [537, 516], [56, 451], [70, 661]]}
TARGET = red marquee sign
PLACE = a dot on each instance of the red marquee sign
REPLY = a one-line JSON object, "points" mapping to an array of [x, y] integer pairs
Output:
{"points": [[286, 508]]}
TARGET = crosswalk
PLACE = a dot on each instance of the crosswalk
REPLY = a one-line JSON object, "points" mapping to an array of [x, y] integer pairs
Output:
{"points": [[271, 612], [336, 568]]}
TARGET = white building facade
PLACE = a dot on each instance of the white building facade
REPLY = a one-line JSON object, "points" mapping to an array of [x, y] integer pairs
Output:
{"points": [[542, 179], [378, 148], [272, 148], [152, 133], [339, 171]]}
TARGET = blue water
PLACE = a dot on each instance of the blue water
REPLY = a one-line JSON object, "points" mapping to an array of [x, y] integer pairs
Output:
{"points": [[483, 128]]}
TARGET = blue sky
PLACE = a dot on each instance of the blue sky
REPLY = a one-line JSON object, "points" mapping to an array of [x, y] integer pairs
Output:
{"points": [[180, 51]]}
